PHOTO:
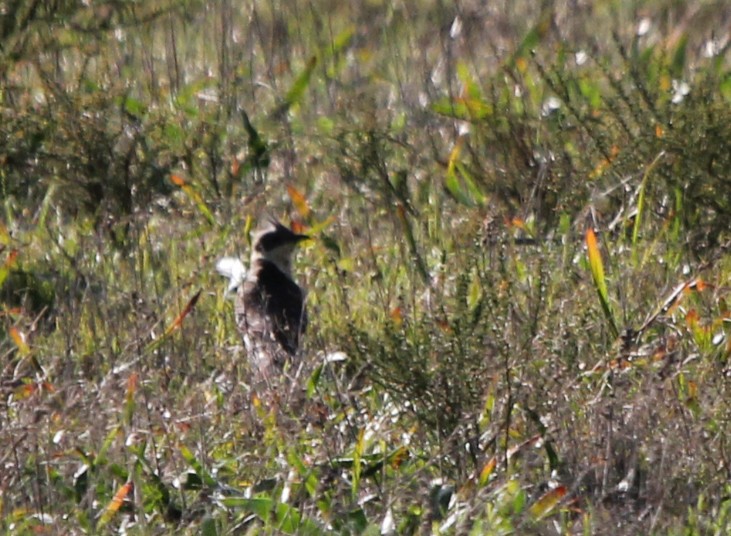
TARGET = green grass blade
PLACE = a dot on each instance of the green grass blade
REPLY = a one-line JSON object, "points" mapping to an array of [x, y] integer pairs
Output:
{"points": [[597, 272], [641, 197], [295, 93]]}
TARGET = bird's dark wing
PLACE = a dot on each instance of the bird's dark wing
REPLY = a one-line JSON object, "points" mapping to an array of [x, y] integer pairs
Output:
{"points": [[270, 312]]}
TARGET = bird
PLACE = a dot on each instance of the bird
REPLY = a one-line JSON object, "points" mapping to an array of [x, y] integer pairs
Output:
{"points": [[269, 304]]}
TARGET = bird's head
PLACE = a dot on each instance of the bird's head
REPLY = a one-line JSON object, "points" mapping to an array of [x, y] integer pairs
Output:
{"points": [[275, 243]]}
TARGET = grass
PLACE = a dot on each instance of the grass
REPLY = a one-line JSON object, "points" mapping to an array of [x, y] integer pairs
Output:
{"points": [[518, 278]]}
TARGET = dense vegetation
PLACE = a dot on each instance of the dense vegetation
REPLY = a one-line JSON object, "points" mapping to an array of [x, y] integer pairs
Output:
{"points": [[518, 279]]}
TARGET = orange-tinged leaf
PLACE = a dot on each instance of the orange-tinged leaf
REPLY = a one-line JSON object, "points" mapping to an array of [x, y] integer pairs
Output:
{"points": [[298, 227], [602, 166], [454, 155], [7, 265], [673, 300], [665, 82], [487, 470], [4, 235], [548, 501], [691, 318], [24, 391], [115, 504], [396, 315], [598, 171], [592, 244], [194, 196], [518, 222], [477, 108], [459, 181], [398, 457], [299, 201], [185, 312], [621, 364], [659, 131], [443, 325], [595, 262], [132, 382], [596, 265], [19, 340], [12, 257], [659, 354], [183, 426]]}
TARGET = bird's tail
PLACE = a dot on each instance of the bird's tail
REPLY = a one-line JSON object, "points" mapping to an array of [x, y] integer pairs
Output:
{"points": [[232, 269]]}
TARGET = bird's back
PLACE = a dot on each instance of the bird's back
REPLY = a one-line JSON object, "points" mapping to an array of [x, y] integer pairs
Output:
{"points": [[270, 313]]}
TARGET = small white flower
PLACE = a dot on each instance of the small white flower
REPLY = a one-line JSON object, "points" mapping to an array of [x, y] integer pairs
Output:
{"points": [[336, 357], [388, 526], [680, 90], [550, 105], [712, 48], [644, 27], [456, 28]]}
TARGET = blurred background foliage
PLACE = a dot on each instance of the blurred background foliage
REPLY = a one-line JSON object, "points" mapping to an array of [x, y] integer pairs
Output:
{"points": [[476, 361]]}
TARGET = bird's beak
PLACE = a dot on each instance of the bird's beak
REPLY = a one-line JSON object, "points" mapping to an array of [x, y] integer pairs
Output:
{"points": [[301, 237]]}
